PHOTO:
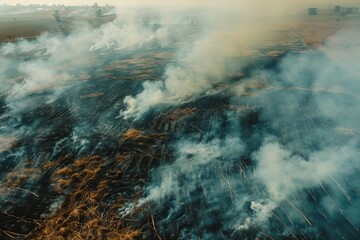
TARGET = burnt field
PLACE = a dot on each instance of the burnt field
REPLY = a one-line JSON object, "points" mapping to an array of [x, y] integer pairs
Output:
{"points": [[181, 129]]}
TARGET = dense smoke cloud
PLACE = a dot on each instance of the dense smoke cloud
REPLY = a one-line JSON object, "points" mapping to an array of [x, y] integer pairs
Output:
{"points": [[52, 72], [59, 59], [278, 160], [230, 34], [227, 38], [302, 177]]}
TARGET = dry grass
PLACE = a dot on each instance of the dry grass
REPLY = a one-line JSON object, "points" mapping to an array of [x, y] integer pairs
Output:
{"points": [[11, 29], [92, 95], [62, 172], [84, 214], [180, 113], [49, 165], [7, 143], [134, 134], [15, 179], [346, 132]]}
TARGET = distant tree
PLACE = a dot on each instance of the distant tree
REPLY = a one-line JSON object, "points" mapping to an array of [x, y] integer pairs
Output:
{"points": [[99, 12], [62, 29], [350, 10], [156, 43], [312, 11], [11, 37], [337, 9], [57, 17]]}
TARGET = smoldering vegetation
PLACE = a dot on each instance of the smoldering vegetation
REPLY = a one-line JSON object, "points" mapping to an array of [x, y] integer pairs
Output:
{"points": [[274, 162], [188, 125]]}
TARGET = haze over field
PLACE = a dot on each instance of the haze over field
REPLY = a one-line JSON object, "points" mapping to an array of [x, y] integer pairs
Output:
{"points": [[178, 3]]}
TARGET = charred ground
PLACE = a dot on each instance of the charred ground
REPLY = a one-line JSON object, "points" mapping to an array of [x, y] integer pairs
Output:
{"points": [[73, 168]]}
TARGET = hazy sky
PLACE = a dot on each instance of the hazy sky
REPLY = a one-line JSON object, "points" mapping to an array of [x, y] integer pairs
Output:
{"points": [[173, 2], [121, 2]]}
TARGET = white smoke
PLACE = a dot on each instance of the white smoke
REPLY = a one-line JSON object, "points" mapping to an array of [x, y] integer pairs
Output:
{"points": [[308, 152], [307, 136], [191, 158], [61, 58], [227, 39]]}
